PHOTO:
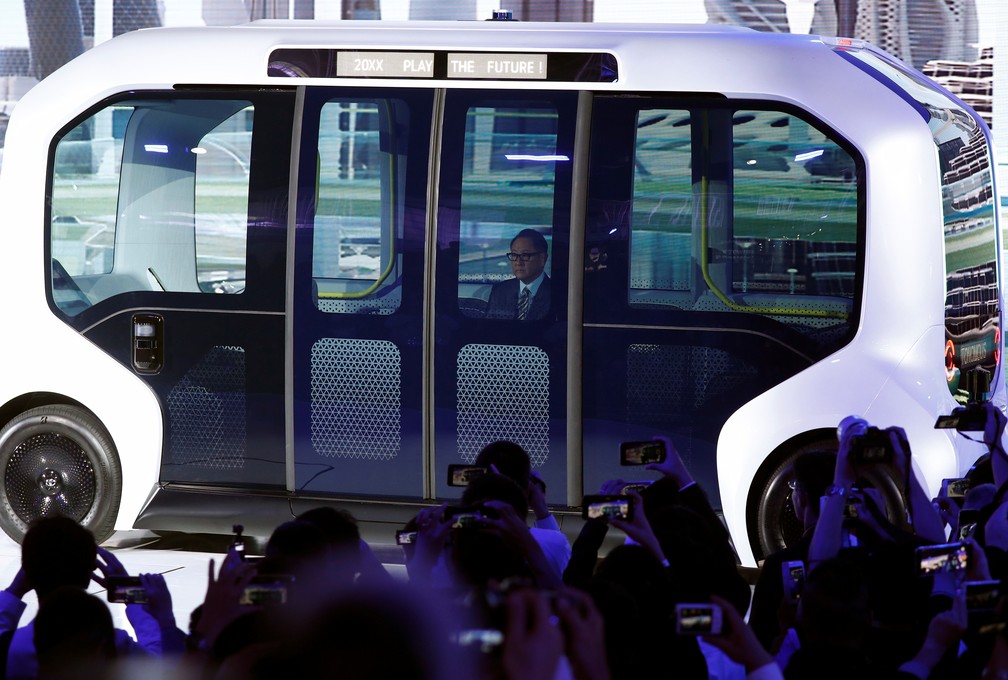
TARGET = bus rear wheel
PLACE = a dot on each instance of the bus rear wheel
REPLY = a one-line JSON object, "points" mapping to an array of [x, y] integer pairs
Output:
{"points": [[776, 524], [58, 460]]}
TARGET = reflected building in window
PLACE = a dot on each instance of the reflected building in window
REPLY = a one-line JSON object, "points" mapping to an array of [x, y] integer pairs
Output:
{"points": [[971, 81], [916, 31]]}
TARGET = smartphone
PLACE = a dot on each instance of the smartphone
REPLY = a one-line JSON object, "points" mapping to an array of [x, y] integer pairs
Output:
{"points": [[125, 589], [982, 596], [267, 590], [465, 517], [642, 453], [484, 640], [698, 619], [943, 558], [853, 506], [955, 488], [607, 507], [403, 537], [793, 578], [461, 475], [967, 523], [636, 487], [238, 543]]}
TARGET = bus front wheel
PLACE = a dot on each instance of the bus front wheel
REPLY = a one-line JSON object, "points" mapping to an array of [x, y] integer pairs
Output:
{"points": [[58, 460]]}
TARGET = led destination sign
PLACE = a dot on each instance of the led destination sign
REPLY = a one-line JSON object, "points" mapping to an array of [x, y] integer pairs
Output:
{"points": [[502, 66], [385, 65], [443, 65]]}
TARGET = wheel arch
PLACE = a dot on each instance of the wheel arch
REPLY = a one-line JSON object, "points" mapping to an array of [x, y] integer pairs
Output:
{"points": [[24, 402]]}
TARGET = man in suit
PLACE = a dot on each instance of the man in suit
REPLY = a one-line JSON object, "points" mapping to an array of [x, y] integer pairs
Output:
{"points": [[526, 297]]}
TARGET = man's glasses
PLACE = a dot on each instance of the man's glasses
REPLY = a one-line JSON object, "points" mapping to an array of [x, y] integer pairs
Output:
{"points": [[524, 257]]}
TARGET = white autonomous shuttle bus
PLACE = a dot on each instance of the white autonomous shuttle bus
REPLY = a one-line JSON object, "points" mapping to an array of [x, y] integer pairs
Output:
{"points": [[249, 269]]}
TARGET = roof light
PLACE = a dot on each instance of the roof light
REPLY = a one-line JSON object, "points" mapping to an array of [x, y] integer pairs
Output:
{"points": [[545, 158]]}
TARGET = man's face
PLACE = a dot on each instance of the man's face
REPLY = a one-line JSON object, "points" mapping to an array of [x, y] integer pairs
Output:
{"points": [[527, 272]]}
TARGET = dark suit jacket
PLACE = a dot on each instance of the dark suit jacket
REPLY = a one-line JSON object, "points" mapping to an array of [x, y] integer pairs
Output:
{"points": [[503, 303]]}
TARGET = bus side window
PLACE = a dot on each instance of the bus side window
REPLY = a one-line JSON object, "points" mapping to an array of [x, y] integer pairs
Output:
{"points": [[356, 268], [508, 178], [662, 217], [151, 195], [794, 204]]}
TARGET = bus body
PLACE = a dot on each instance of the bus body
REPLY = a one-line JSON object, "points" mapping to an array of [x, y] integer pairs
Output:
{"points": [[250, 267]]}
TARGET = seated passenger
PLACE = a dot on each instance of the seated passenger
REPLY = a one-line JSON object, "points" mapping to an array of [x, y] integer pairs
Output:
{"points": [[526, 297]]}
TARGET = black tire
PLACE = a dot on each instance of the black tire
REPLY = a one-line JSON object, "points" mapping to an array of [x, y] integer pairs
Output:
{"points": [[58, 460], [778, 527]]}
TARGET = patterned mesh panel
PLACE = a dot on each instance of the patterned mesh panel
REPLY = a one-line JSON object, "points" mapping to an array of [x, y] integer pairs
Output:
{"points": [[503, 393], [655, 380], [355, 399], [207, 412], [667, 382], [717, 373]]}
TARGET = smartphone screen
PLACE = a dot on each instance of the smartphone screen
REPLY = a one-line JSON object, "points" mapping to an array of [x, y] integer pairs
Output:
{"points": [[461, 475], [266, 590], [793, 578], [698, 619], [955, 488], [636, 487], [485, 640], [403, 537], [642, 453], [943, 558], [125, 589], [465, 517], [607, 507]]}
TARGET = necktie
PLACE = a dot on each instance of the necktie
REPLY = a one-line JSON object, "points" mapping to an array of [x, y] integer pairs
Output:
{"points": [[524, 302]]}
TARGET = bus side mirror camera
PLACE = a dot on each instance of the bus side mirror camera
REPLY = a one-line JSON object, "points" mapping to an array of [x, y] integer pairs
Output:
{"points": [[148, 343]]}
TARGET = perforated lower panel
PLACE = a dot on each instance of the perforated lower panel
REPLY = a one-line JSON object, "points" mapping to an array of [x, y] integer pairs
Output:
{"points": [[655, 376], [382, 306], [355, 399], [669, 381], [503, 394], [208, 414]]}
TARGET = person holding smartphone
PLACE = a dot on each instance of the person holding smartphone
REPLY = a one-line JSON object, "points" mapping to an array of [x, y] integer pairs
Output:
{"points": [[57, 552], [512, 461]]}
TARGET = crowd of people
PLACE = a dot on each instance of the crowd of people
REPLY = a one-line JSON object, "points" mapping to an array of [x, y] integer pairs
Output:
{"points": [[874, 588]]}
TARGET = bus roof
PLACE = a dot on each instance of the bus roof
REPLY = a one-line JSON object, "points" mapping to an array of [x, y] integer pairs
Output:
{"points": [[682, 57]]}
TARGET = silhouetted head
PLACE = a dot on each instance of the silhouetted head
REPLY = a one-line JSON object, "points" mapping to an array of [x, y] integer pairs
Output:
{"points": [[341, 533], [58, 551], [74, 635], [493, 487], [510, 459]]}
